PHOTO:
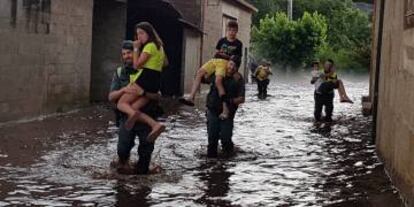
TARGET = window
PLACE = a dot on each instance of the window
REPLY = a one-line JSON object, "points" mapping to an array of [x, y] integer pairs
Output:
{"points": [[409, 14], [37, 13]]}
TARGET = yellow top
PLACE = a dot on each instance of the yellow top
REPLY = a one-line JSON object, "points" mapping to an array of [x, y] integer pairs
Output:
{"points": [[134, 76], [215, 66], [262, 73], [157, 57]]}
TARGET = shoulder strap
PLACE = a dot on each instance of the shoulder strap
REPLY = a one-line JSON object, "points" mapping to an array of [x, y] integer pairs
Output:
{"points": [[119, 71]]}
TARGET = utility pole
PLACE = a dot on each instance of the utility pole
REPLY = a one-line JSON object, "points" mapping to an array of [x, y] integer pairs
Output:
{"points": [[290, 9]]}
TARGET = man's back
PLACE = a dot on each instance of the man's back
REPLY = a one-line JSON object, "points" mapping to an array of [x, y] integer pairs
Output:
{"points": [[234, 87]]}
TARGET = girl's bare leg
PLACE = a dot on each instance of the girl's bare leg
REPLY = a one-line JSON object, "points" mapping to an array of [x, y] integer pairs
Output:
{"points": [[342, 93], [156, 127], [196, 84], [124, 105]]}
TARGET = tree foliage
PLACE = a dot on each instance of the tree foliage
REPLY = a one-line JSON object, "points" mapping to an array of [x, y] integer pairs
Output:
{"points": [[348, 31], [289, 43]]}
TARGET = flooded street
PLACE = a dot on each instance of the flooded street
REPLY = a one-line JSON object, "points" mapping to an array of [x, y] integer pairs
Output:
{"points": [[283, 158]]}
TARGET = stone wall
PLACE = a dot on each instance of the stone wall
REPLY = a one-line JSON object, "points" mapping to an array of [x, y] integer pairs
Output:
{"points": [[45, 56], [395, 128]]}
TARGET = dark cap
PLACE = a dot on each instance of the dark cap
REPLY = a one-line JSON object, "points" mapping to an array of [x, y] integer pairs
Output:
{"points": [[128, 45]]}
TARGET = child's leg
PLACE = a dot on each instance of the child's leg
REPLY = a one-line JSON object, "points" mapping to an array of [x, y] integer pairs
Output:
{"points": [[143, 118], [124, 104], [196, 84], [342, 92], [156, 127], [222, 92]]}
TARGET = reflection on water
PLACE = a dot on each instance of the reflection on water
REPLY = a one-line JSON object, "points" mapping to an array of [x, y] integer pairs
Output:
{"points": [[284, 160]]}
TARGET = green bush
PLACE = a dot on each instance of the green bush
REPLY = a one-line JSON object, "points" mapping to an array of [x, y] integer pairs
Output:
{"points": [[289, 43], [347, 39]]}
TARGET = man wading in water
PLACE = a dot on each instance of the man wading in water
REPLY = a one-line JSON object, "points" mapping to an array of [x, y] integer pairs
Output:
{"points": [[126, 140], [222, 129]]}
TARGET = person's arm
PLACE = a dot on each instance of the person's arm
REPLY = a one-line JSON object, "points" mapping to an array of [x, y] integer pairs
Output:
{"points": [[314, 79], [166, 62], [140, 58], [219, 52], [116, 91], [114, 96], [256, 72], [269, 72], [220, 86], [335, 80], [315, 76], [241, 90]]}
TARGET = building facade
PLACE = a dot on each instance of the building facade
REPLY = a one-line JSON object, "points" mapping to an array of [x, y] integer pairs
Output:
{"points": [[60, 55], [391, 91], [45, 59]]}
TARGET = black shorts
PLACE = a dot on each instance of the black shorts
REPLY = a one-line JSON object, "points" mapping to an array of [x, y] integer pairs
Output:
{"points": [[149, 80]]}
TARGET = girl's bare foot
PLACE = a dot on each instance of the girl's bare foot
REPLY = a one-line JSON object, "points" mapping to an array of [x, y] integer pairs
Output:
{"points": [[346, 100]]}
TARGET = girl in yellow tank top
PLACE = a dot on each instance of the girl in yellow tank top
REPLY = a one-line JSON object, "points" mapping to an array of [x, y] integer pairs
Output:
{"points": [[149, 59]]}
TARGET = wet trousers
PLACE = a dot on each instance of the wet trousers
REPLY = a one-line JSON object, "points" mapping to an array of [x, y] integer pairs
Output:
{"points": [[126, 141], [323, 100], [218, 129], [262, 87]]}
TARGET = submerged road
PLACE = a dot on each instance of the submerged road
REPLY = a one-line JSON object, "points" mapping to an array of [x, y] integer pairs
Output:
{"points": [[283, 158]]}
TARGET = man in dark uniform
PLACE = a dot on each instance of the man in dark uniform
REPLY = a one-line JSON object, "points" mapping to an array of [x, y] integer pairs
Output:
{"points": [[126, 140], [222, 129], [325, 83]]}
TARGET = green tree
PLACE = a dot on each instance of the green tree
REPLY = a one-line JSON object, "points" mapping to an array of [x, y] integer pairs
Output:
{"points": [[348, 29], [289, 43]]}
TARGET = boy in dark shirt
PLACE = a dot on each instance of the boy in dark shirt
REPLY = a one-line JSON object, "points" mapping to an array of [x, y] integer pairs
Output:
{"points": [[227, 47]]}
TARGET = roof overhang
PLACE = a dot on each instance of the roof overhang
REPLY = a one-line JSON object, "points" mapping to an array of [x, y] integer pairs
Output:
{"points": [[245, 4]]}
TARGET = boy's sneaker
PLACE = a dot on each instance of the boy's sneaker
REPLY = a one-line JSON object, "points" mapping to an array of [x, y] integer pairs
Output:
{"points": [[186, 102]]}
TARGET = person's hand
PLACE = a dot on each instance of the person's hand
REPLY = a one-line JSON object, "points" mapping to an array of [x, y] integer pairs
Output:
{"points": [[137, 44], [128, 89], [222, 55], [322, 75], [137, 89]]}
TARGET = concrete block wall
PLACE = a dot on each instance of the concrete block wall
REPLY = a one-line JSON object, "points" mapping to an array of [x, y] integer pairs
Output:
{"points": [[46, 56], [395, 128], [213, 23]]}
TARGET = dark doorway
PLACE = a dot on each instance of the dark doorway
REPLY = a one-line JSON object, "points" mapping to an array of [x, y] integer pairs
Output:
{"points": [[164, 18], [108, 31]]}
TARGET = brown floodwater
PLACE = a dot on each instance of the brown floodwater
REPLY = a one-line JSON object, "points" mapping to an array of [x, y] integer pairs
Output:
{"points": [[282, 159]]}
